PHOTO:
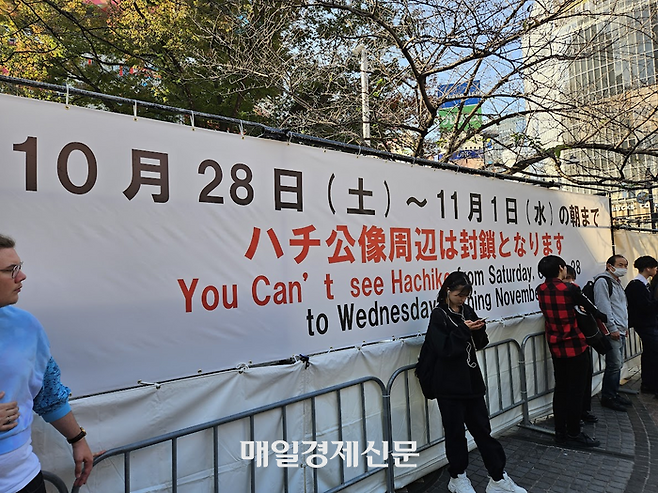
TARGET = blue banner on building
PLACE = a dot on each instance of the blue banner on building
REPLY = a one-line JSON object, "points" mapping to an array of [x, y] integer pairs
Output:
{"points": [[456, 90]]}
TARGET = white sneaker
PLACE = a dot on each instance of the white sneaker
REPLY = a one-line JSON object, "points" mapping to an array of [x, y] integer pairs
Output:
{"points": [[505, 485], [460, 484]]}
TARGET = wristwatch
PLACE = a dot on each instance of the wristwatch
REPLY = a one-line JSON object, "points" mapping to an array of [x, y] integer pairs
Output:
{"points": [[78, 437]]}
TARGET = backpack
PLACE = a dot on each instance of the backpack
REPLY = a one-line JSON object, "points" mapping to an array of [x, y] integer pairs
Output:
{"points": [[588, 289], [425, 368]]}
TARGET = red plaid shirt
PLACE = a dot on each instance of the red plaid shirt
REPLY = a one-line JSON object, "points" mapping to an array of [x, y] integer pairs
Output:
{"points": [[556, 301]]}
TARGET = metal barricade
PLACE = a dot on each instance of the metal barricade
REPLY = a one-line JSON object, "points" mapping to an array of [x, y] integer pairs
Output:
{"points": [[537, 371], [506, 356], [528, 365], [251, 416], [497, 359], [632, 346], [538, 381], [55, 480], [413, 393]]}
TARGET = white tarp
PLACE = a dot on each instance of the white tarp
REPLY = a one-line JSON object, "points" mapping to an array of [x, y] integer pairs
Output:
{"points": [[156, 251], [117, 418], [634, 244]]}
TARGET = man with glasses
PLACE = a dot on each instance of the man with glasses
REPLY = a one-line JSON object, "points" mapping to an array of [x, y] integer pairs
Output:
{"points": [[29, 381]]}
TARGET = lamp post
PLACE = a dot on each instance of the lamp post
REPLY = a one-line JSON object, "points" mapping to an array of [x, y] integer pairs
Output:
{"points": [[365, 102], [652, 213]]}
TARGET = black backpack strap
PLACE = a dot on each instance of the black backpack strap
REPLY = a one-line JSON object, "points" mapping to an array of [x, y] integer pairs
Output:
{"points": [[608, 281]]}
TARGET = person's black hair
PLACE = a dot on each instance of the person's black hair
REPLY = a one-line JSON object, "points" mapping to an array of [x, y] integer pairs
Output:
{"points": [[549, 266], [571, 272], [455, 281], [613, 260], [645, 262]]}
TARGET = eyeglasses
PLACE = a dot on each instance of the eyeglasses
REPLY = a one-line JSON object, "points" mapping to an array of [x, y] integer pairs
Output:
{"points": [[13, 270]]}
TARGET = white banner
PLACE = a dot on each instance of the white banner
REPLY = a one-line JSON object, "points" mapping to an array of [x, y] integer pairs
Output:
{"points": [[155, 250]]}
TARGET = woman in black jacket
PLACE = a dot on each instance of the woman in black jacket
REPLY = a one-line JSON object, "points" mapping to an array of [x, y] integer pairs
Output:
{"points": [[455, 333]]}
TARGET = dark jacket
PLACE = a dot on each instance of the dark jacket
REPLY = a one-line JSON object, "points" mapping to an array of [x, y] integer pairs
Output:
{"points": [[642, 307], [457, 373]]}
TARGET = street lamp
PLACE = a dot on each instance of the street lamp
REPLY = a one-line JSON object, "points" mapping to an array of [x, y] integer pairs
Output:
{"points": [[649, 179], [365, 103]]}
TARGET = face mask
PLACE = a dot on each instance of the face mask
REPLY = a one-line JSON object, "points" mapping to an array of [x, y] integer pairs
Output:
{"points": [[620, 272]]}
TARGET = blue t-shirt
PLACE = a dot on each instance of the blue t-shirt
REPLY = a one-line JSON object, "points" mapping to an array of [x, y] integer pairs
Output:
{"points": [[28, 375]]}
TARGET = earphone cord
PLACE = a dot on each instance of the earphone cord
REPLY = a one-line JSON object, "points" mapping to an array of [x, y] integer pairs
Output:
{"points": [[469, 345]]}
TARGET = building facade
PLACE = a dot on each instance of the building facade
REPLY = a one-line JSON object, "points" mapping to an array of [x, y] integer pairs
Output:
{"points": [[595, 94]]}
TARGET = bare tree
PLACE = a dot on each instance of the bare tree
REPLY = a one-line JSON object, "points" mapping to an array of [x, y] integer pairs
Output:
{"points": [[562, 89]]}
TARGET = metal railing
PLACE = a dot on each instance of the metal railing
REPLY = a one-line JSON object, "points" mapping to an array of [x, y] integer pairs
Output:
{"points": [[538, 383], [55, 480], [250, 416], [495, 360], [529, 379], [541, 366]]}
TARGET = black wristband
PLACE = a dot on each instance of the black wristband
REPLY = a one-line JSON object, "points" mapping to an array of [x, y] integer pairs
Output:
{"points": [[78, 437]]}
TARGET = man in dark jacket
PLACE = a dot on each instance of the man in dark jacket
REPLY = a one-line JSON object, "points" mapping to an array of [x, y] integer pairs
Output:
{"points": [[642, 310]]}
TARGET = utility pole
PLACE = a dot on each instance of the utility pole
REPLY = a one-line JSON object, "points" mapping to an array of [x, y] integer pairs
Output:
{"points": [[365, 97]]}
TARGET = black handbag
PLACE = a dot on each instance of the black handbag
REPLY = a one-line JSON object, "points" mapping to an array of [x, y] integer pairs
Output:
{"points": [[425, 368], [589, 326]]}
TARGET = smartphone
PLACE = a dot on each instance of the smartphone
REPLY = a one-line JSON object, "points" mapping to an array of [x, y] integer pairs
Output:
{"points": [[484, 319]]}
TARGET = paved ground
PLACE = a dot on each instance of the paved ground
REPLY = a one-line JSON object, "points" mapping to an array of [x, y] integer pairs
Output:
{"points": [[626, 461]]}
